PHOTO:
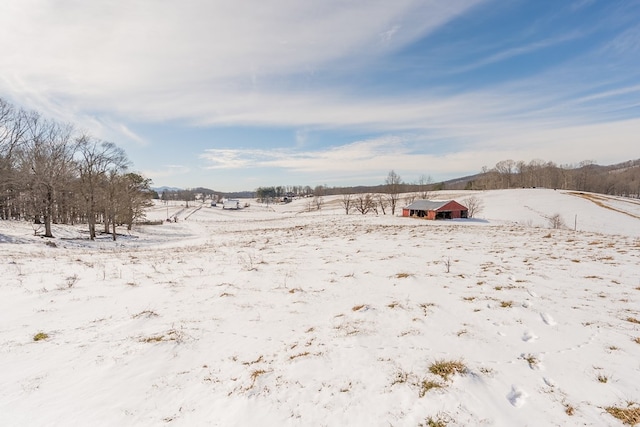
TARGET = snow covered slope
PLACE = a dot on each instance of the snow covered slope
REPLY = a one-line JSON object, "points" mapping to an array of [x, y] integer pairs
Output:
{"points": [[278, 316]]}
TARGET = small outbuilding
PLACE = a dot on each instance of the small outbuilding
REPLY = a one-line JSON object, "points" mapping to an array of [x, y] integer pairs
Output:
{"points": [[428, 209]]}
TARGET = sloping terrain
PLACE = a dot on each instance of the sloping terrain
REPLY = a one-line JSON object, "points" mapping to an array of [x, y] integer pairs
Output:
{"points": [[279, 316]]}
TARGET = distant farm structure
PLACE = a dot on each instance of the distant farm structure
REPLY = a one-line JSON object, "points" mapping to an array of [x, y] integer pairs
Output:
{"points": [[231, 204], [428, 209]]}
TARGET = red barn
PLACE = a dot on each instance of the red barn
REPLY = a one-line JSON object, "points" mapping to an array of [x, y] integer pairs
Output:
{"points": [[436, 210]]}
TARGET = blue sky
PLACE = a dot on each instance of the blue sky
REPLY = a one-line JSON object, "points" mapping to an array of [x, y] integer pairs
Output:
{"points": [[236, 95]]}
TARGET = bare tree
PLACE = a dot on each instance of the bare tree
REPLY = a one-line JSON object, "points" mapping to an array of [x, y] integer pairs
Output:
{"points": [[364, 203], [96, 160], [393, 187], [556, 221], [505, 169], [424, 185], [46, 165], [12, 130], [381, 202], [474, 205], [347, 202]]}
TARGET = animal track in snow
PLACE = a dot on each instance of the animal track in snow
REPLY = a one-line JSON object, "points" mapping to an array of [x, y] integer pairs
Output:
{"points": [[517, 396], [546, 318], [529, 336]]}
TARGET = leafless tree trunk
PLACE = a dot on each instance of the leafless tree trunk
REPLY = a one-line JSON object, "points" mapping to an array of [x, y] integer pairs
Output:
{"points": [[381, 201], [424, 185], [46, 163], [364, 203], [95, 161], [474, 205], [346, 202], [393, 185], [12, 129]]}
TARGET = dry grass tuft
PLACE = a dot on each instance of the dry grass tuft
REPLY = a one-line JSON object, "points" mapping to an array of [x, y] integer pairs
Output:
{"points": [[40, 336], [531, 360], [358, 307], [427, 385], [295, 356], [629, 415], [145, 313], [403, 275], [506, 304], [636, 340], [569, 409], [633, 320], [170, 335], [446, 368], [439, 420]]}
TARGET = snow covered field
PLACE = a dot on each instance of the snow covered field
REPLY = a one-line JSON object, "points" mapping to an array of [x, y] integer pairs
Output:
{"points": [[276, 316]]}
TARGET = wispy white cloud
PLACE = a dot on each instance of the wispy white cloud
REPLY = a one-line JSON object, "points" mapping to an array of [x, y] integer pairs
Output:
{"points": [[565, 144], [102, 64], [519, 51]]}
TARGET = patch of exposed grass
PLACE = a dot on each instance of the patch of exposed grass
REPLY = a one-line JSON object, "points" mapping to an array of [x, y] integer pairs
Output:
{"points": [[170, 335], [358, 307], [400, 377], [636, 340], [532, 360], [40, 336], [253, 362], [427, 385], [439, 420], [629, 415], [633, 320], [255, 374], [403, 275], [447, 368], [569, 409], [145, 313], [295, 356], [602, 378], [506, 304]]}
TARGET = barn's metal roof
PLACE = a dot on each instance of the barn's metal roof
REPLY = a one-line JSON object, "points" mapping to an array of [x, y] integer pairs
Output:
{"points": [[427, 205]]}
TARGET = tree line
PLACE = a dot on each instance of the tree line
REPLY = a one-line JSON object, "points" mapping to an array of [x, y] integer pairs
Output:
{"points": [[618, 180], [52, 174]]}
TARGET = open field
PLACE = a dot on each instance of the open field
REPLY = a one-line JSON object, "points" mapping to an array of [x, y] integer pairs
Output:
{"points": [[278, 316]]}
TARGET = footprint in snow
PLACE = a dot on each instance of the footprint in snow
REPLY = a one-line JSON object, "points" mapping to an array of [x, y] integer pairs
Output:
{"points": [[546, 318], [533, 294], [529, 336], [517, 396], [549, 381]]}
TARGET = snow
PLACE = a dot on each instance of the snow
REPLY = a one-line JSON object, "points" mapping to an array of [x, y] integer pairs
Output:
{"points": [[272, 315]]}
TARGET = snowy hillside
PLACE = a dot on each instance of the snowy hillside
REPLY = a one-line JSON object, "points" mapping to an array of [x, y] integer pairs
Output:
{"points": [[274, 315]]}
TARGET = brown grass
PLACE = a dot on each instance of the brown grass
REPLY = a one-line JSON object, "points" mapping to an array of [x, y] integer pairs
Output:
{"points": [[629, 415], [40, 336], [633, 320], [427, 385], [446, 368]]}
